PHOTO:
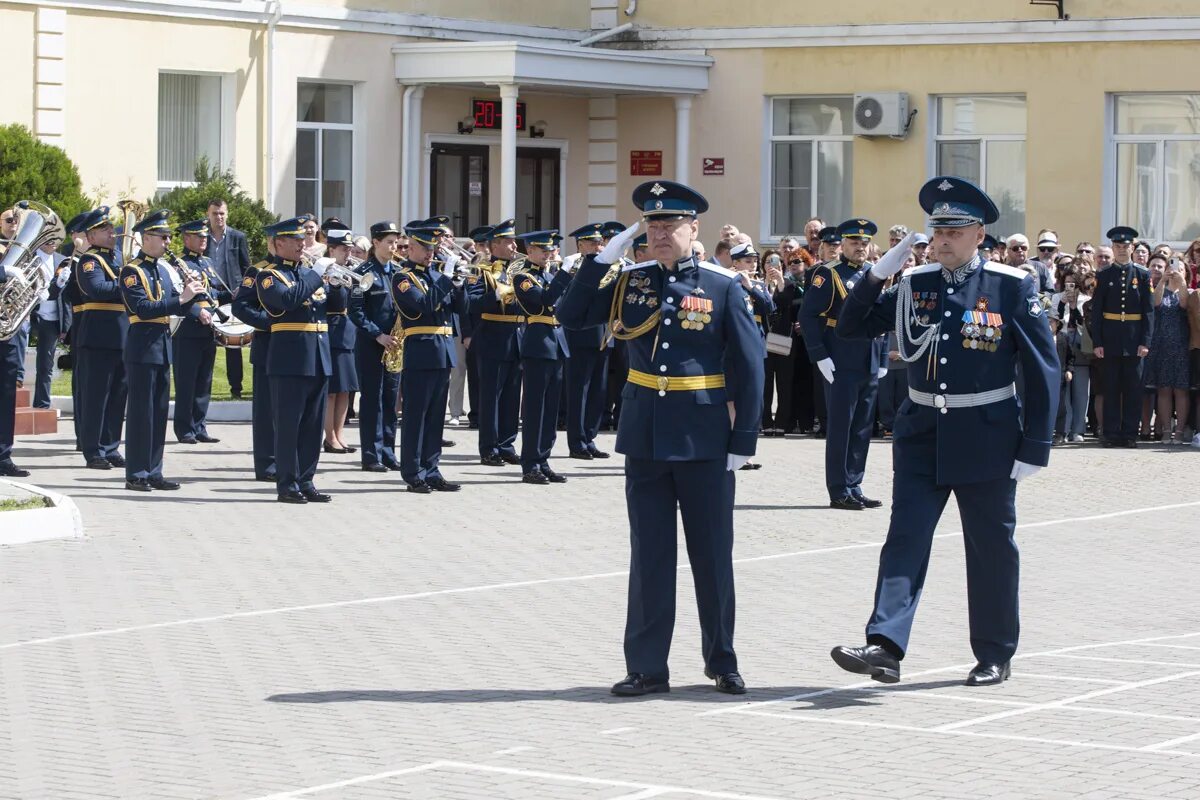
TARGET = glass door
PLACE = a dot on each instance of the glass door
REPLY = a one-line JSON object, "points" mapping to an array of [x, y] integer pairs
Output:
{"points": [[537, 188], [458, 185]]}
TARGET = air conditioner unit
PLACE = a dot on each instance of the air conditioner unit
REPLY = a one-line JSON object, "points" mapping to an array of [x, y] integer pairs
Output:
{"points": [[881, 114]]}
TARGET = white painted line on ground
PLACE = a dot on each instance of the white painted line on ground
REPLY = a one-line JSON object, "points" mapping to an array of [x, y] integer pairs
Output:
{"points": [[642, 795], [1139, 714], [615, 731], [508, 751], [1153, 748], [1126, 660], [325, 787], [1175, 646]]}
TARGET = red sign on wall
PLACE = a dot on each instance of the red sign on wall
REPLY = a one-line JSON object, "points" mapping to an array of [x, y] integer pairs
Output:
{"points": [[645, 162], [714, 166]]}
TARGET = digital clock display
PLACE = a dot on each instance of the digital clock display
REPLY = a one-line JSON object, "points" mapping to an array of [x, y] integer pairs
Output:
{"points": [[486, 114]]}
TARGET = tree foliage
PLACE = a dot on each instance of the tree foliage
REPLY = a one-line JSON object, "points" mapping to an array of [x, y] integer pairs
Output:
{"points": [[33, 170], [246, 213]]}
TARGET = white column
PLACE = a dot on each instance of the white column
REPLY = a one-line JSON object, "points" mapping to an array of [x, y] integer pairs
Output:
{"points": [[508, 152], [683, 133], [415, 165], [602, 158], [50, 120]]}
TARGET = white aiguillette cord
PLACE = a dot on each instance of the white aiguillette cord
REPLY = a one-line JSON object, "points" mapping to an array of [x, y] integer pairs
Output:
{"points": [[906, 320]]}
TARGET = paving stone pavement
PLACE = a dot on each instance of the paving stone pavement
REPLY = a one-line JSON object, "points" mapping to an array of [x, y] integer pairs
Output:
{"points": [[211, 643]]}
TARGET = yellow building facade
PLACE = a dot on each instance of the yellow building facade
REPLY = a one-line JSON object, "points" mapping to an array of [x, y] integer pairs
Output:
{"points": [[551, 111]]}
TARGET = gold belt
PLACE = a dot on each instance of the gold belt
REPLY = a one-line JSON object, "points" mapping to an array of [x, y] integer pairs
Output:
{"points": [[830, 322], [335, 313], [664, 383], [1123, 317], [300, 327], [443, 330], [134, 320], [98, 307], [542, 318], [501, 318]]}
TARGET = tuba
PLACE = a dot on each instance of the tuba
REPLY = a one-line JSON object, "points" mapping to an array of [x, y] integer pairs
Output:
{"points": [[21, 293], [131, 212]]}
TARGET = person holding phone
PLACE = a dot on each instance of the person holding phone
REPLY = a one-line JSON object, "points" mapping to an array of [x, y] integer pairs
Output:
{"points": [[1167, 366]]}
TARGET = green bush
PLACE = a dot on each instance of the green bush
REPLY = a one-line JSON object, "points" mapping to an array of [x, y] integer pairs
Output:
{"points": [[33, 170], [246, 213]]}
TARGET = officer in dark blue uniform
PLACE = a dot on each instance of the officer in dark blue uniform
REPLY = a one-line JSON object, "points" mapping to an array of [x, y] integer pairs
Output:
{"points": [[470, 322], [299, 361], [248, 309], [194, 346], [71, 298], [850, 368], [374, 314], [587, 367], [101, 326], [1121, 325], [496, 340], [745, 263], [964, 326], [685, 321], [149, 296], [426, 300]]}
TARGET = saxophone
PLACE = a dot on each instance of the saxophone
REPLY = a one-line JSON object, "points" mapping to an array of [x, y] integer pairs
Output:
{"points": [[393, 354]]}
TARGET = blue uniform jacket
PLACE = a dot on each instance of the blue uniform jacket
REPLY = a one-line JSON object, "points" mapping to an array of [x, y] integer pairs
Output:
{"points": [[100, 318], [967, 445], [764, 306], [342, 332], [373, 311], [819, 314], [497, 334], [249, 310], [294, 297], [427, 301], [1122, 291], [150, 298], [190, 326], [536, 293], [686, 425]]}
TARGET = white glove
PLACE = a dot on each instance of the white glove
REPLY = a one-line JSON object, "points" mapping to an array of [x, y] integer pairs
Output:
{"points": [[64, 275], [611, 254], [881, 373], [827, 369], [1021, 471], [570, 263], [893, 260], [321, 265], [449, 262], [44, 295], [734, 462]]}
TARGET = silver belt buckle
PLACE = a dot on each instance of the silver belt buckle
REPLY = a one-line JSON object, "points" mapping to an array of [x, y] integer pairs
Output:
{"points": [[939, 401]]}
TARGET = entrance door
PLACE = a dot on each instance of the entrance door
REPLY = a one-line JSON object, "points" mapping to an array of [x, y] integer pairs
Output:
{"points": [[537, 188], [458, 185]]}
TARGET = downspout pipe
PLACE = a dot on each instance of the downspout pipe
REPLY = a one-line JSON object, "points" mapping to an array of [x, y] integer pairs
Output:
{"points": [[274, 14], [602, 35]]}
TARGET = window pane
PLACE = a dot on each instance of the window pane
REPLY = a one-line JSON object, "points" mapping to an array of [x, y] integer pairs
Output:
{"points": [[325, 102], [1006, 184], [1137, 187], [1158, 113], [189, 124], [835, 161], [981, 115], [791, 187], [812, 116], [306, 154], [306, 196], [1181, 165], [960, 159], [336, 170]]}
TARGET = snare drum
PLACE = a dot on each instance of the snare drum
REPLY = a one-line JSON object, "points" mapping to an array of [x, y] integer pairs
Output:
{"points": [[233, 334]]}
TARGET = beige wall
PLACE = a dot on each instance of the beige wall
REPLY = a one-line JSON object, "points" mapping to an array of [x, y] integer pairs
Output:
{"points": [[18, 22], [549, 13]]}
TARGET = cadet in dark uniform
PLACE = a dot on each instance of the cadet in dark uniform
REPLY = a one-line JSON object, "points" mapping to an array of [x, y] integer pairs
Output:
{"points": [[194, 345], [850, 368], [1122, 320], [342, 338], [426, 300], [298, 361], [470, 322], [248, 309], [967, 324], [101, 326], [72, 298], [745, 263], [685, 321], [543, 349], [587, 367]]}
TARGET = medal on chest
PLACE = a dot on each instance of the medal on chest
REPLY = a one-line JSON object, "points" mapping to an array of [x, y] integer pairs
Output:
{"points": [[694, 312], [982, 329]]}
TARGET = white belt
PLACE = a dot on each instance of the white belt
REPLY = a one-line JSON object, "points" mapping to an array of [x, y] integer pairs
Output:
{"points": [[962, 400]]}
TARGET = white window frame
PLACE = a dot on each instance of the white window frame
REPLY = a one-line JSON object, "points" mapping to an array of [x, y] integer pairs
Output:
{"points": [[228, 128], [983, 139], [358, 195], [1112, 141], [766, 235]]}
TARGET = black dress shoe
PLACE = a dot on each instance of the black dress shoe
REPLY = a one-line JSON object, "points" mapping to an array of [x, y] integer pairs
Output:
{"points": [[419, 487], [265, 478], [1107, 443], [137, 486], [374, 468], [989, 674], [847, 503], [293, 497], [510, 458], [164, 485], [10, 470], [553, 476], [536, 478], [189, 440], [597, 453], [443, 485], [727, 682], [868, 502], [116, 459], [492, 461], [473, 426], [1130, 444], [582, 455], [635, 684], [871, 660], [391, 466], [99, 463], [447, 444], [749, 465], [313, 496], [349, 449], [204, 438]]}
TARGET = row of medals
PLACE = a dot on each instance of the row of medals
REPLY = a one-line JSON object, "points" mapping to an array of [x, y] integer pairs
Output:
{"points": [[980, 337], [693, 320]]}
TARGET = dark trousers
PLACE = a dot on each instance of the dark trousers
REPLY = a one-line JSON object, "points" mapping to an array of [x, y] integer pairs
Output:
{"points": [[499, 405], [233, 368], [146, 419], [989, 519], [893, 389], [820, 396], [262, 423], [47, 341], [423, 393], [379, 390], [472, 387], [102, 394], [779, 378], [803, 395], [850, 400], [76, 384], [1123, 394], [1064, 403], [703, 492], [539, 410], [10, 363], [193, 363], [587, 390], [298, 403], [618, 375]]}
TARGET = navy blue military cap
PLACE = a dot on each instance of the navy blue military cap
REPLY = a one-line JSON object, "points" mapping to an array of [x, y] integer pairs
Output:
{"points": [[546, 239], [77, 223], [287, 228], [1122, 234], [339, 236], [857, 229], [745, 250], [829, 235], [382, 229], [955, 203], [422, 232], [592, 231], [305, 218], [611, 229], [504, 230], [440, 223], [196, 226], [480, 234], [668, 199], [333, 224], [989, 243], [641, 242], [155, 222], [96, 218]]}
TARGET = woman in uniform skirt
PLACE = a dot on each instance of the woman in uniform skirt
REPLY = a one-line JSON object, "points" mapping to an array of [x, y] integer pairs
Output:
{"points": [[344, 379]]}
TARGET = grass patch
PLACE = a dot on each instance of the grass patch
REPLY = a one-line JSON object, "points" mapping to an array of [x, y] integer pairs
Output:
{"points": [[12, 504], [61, 384]]}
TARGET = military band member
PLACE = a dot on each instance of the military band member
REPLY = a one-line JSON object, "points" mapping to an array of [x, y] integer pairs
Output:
{"points": [[587, 367], [72, 298], [248, 309], [298, 361], [194, 345], [374, 314], [1122, 317], [149, 295], [963, 325], [99, 345], [342, 338], [684, 322], [480, 242], [744, 259]]}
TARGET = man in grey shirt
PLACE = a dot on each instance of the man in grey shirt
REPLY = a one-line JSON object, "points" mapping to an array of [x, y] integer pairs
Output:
{"points": [[230, 256]]}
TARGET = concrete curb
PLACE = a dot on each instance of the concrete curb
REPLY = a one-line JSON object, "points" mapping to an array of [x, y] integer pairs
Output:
{"points": [[60, 520], [225, 411]]}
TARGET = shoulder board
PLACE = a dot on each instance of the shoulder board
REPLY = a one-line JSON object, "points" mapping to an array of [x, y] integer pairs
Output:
{"points": [[920, 270], [1004, 269], [717, 268], [261, 265], [639, 265]]}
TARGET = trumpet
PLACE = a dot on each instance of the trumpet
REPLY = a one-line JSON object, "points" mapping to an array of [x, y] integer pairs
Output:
{"points": [[338, 275]]}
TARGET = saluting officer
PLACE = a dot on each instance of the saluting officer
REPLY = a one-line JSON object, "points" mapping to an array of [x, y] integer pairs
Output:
{"points": [[150, 297], [964, 325], [685, 321], [1122, 309], [426, 300], [194, 345], [299, 362], [99, 345], [248, 309], [850, 368]]}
